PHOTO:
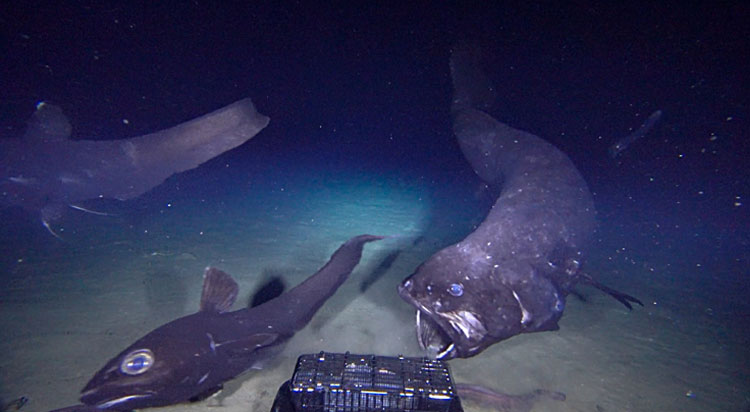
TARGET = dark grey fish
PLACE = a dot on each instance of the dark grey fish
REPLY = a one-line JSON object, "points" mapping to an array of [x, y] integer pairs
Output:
{"points": [[13, 405], [46, 171], [513, 273], [623, 143], [190, 358], [503, 402]]}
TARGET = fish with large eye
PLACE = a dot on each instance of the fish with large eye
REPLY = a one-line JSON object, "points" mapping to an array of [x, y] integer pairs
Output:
{"points": [[456, 289], [528, 248], [190, 358], [137, 362]]}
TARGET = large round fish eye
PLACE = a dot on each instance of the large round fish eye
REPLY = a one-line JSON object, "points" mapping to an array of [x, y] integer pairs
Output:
{"points": [[137, 362], [456, 289]]}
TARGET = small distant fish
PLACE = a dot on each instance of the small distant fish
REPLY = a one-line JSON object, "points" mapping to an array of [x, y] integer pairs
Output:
{"points": [[503, 402], [13, 405], [623, 143], [174, 255]]}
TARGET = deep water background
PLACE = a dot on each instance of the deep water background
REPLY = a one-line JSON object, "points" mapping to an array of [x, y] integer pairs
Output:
{"points": [[359, 94]]}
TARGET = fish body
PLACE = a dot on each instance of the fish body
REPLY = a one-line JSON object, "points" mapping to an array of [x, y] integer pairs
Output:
{"points": [[46, 171], [191, 357], [622, 144], [502, 402], [510, 275]]}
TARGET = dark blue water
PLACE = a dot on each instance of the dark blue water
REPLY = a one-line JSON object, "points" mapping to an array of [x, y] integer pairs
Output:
{"points": [[360, 140]]}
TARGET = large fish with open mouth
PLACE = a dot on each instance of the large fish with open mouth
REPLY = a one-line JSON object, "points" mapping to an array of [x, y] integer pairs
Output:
{"points": [[512, 274]]}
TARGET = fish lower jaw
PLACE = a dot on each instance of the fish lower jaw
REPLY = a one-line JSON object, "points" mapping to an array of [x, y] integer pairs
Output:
{"points": [[115, 401]]}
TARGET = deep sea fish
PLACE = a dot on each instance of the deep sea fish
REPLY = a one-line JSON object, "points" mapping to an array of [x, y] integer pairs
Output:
{"points": [[190, 358], [623, 143], [512, 274], [502, 402], [14, 405], [45, 171]]}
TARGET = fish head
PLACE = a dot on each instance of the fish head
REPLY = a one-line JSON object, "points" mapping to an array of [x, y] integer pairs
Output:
{"points": [[464, 305], [170, 364]]}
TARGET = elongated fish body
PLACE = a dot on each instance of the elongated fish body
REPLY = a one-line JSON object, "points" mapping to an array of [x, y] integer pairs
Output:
{"points": [[502, 402], [47, 171], [191, 357], [622, 144], [510, 275]]}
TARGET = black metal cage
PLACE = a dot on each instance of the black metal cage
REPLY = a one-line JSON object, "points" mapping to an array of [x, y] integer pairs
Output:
{"points": [[345, 382]]}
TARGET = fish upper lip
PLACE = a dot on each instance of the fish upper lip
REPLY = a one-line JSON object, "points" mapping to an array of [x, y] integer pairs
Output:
{"points": [[459, 327]]}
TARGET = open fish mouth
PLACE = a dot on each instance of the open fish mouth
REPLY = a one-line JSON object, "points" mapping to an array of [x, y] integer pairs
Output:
{"points": [[432, 339], [466, 329], [445, 334]]}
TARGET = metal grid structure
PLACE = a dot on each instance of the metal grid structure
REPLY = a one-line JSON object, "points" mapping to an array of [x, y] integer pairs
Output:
{"points": [[345, 382]]}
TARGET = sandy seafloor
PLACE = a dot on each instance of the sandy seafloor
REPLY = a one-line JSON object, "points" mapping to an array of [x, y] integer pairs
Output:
{"points": [[69, 309]]}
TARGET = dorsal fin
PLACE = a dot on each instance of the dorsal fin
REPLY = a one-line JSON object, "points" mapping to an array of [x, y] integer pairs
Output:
{"points": [[48, 123], [219, 291]]}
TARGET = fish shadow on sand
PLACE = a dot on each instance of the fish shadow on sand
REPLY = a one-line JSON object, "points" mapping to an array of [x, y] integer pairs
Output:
{"points": [[272, 285], [379, 271]]}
